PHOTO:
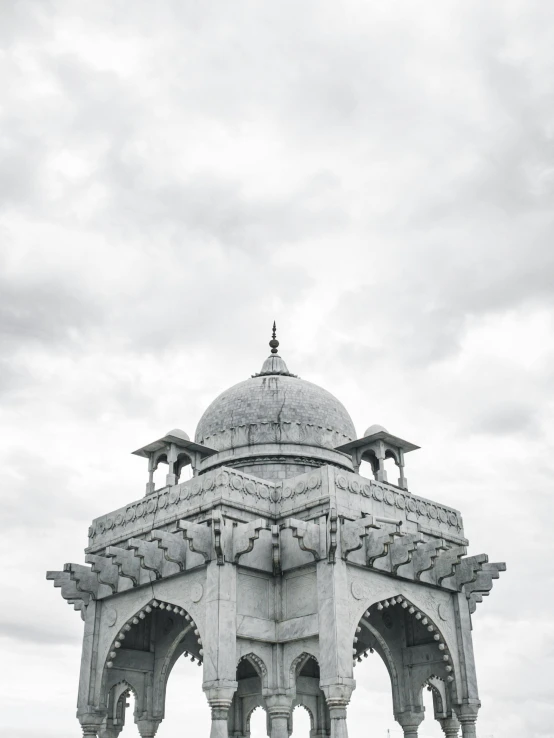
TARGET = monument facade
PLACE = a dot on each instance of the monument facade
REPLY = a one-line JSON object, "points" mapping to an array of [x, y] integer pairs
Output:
{"points": [[277, 568]]}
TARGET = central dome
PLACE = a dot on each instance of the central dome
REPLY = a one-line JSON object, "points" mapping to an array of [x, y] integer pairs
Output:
{"points": [[275, 424]]}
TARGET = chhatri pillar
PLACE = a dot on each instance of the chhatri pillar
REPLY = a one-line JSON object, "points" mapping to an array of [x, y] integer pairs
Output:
{"points": [[277, 568]]}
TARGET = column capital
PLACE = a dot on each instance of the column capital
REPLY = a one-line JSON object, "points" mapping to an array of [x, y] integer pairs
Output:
{"points": [[410, 721], [148, 727], [450, 726], [91, 721], [278, 705]]}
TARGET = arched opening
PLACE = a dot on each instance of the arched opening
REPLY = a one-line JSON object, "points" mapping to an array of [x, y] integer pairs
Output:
{"points": [[369, 465], [371, 703], [429, 728], [388, 628], [391, 467], [366, 470], [160, 471], [301, 722], [185, 703], [183, 468], [244, 715], [258, 723]]}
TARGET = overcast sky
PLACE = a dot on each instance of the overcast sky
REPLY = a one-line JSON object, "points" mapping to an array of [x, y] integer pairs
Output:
{"points": [[378, 178]]}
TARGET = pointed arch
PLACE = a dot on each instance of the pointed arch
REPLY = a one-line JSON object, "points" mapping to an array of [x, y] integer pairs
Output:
{"points": [[258, 665], [297, 664]]}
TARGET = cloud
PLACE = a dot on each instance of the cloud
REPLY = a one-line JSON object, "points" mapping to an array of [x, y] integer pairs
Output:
{"points": [[377, 178]]}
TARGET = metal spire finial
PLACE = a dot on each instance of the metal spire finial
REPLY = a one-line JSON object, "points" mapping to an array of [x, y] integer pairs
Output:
{"points": [[274, 343]]}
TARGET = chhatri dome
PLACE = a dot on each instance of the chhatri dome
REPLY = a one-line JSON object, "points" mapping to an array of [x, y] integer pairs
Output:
{"points": [[275, 425]]}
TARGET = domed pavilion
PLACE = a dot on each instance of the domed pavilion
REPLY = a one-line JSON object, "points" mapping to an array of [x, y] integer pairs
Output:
{"points": [[277, 567]]}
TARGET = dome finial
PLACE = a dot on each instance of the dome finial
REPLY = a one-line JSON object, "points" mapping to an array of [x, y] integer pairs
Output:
{"points": [[274, 343]]}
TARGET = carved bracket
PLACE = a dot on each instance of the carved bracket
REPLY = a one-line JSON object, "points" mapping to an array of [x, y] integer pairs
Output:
{"points": [[307, 535], [199, 538], [172, 545], [402, 550], [85, 579], [276, 549], [378, 545], [245, 535], [353, 533], [446, 564], [424, 557], [333, 524], [127, 563], [482, 585], [468, 569], [69, 590], [150, 556], [106, 569]]}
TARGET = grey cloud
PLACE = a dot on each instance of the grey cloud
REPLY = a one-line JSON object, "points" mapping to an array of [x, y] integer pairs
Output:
{"points": [[38, 487], [505, 419], [48, 311], [35, 632]]}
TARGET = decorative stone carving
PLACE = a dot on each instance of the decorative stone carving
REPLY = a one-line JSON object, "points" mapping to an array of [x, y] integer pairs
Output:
{"points": [[315, 559]]}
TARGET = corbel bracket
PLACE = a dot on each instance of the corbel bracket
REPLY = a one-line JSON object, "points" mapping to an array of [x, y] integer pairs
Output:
{"points": [[378, 545], [245, 535], [149, 555], [199, 538], [276, 549], [172, 545], [106, 569], [127, 563], [332, 524], [482, 585], [446, 565], [353, 533], [85, 579], [69, 590], [424, 557], [402, 550], [307, 535]]}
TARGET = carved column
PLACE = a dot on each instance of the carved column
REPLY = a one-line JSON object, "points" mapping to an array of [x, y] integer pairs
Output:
{"points": [[450, 727], [147, 727], [469, 729], [410, 721], [402, 481], [220, 712], [171, 477], [109, 732], [381, 475], [337, 712], [279, 712], [150, 486], [220, 648], [91, 723]]}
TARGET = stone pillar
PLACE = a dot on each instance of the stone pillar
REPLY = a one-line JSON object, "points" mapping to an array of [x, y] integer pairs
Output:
{"points": [[402, 481], [150, 486], [220, 711], [381, 475], [450, 727], [279, 711], [337, 712], [147, 727], [467, 715], [469, 729], [91, 724], [171, 478], [410, 721]]}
